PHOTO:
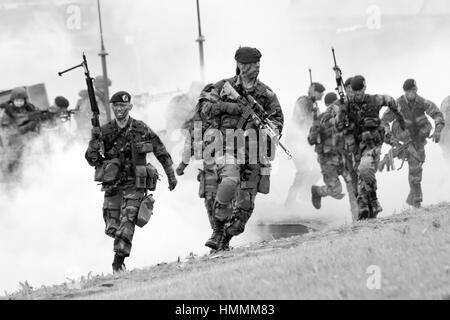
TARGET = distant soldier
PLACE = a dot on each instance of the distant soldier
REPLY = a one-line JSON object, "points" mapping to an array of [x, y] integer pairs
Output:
{"points": [[240, 181], [304, 111], [182, 107], [359, 118], [208, 177], [414, 109], [445, 139], [17, 125], [118, 151], [83, 107], [60, 111], [329, 146]]}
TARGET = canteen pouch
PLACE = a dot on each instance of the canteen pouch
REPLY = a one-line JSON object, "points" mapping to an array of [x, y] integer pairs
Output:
{"points": [[201, 179], [145, 211]]}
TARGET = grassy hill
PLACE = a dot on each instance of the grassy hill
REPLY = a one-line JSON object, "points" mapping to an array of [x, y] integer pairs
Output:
{"points": [[410, 253]]}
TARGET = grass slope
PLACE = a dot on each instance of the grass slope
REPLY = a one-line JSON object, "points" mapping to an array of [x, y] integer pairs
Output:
{"points": [[412, 251]]}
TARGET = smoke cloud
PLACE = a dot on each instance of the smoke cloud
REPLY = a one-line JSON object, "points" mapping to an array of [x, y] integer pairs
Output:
{"points": [[51, 222]]}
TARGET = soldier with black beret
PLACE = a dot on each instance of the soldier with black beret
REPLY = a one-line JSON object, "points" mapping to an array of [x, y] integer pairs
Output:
{"points": [[118, 151], [418, 129]]}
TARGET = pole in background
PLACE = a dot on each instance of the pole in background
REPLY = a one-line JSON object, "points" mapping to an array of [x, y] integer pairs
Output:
{"points": [[200, 41], [103, 55]]}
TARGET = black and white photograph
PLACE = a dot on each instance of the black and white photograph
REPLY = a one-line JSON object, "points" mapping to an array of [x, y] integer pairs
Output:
{"points": [[224, 156]]}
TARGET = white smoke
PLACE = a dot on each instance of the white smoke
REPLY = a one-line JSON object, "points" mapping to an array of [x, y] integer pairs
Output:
{"points": [[51, 222]]}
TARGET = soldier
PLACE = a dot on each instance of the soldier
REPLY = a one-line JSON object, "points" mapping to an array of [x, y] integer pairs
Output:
{"points": [[329, 147], [445, 139], [359, 120], [239, 181], [182, 107], [118, 151], [208, 177], [304, 110], [414, 108], [17, 125]]}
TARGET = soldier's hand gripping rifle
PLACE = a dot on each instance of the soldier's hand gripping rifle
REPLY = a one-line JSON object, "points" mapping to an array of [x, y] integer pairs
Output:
{"points": [[93, 102], [261, 118], [339, 81]]}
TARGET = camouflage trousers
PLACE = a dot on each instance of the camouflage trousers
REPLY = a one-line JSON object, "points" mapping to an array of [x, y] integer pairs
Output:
{"points": [[237, 190], [209, 181], [120, 210], [416, 159], [367, 199], [332, 166]]}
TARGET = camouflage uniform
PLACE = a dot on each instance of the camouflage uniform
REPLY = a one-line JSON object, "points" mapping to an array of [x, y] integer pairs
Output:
{"points": [[207, 177], [305, 175], [16, 130], [329, 147], [445, 139], [236, 192], [360, 122], [123, 195], [418, 129]]}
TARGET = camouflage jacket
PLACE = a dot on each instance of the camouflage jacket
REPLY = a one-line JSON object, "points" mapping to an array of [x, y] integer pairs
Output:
{"points": [[210, 106], [19, 119], [304, 112], [323, 134], [361, 119], [125, 144], [414, 113]]}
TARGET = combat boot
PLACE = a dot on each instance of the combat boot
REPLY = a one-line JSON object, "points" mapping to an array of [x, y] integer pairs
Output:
{"points": [[316, 198], [214, 241], [118, 264], [225, 242]]}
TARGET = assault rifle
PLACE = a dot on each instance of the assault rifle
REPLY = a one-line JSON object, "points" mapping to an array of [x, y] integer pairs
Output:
{"points": [[339, 81], [397, 151], [261, 118], [90, 86]]}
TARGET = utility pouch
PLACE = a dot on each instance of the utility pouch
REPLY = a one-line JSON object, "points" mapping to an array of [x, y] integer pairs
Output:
{"points": [[152, 177], [264, 180], [144, 147], [108, 171], [145, 211], [141, 177], [201, 179]]}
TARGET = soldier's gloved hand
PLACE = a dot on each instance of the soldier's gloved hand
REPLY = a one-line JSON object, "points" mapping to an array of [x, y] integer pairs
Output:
{"points": [[338, 72], [388, 138], [437, 136], [180, 168], [172, 180], [95, 132]]}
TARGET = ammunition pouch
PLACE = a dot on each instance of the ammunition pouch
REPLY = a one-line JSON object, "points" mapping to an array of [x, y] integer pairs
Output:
{"points": [[371, 123], [108, 171], [152, 177], [145, 211], [264, 180], [202, 180], [141, 177]]}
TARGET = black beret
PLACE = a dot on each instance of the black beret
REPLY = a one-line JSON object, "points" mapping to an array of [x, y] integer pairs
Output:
{"points": [[330, 97], [348, 82], [410, 84], [247, 55], [62, 102], [318, 87], [358, 83], [121, 96]]}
